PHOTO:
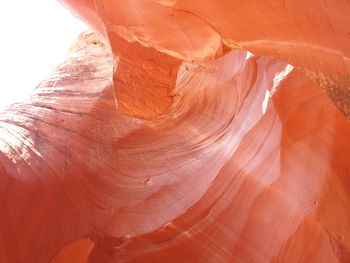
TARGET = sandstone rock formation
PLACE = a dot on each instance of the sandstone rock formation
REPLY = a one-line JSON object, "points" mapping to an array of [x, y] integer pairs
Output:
{"points": [[161, 138]]}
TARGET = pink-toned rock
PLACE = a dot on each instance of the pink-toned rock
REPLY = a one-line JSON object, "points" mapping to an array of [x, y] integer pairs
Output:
{"points": [[313, 36], [154, 142]]}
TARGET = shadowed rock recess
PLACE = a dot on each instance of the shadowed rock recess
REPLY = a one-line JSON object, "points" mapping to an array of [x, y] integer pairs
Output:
{"points": [[185, 131]]}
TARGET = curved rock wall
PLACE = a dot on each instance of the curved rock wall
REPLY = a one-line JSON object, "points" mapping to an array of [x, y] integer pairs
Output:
{"points": [[156, 142]]}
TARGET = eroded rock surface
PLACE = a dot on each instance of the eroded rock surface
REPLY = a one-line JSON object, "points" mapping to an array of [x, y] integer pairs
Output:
{"points": [[156, 142], [313, 36]]}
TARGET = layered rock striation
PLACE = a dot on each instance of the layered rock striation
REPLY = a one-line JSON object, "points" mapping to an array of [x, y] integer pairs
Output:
{"points": [[185, 131]]}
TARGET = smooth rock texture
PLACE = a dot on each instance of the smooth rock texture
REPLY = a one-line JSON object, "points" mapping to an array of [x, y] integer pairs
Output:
{"points": [[311, 35], [155, 142]]}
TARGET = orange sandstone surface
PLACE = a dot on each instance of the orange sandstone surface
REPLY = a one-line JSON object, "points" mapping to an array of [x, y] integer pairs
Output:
{"points": [[185, 131]]}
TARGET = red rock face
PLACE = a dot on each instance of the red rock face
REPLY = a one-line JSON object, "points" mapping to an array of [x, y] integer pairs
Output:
{"points": [[313, 36], [154, 142]]}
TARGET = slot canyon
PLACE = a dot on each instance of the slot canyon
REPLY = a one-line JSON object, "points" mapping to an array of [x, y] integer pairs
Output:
{"points": [[185, 131]]}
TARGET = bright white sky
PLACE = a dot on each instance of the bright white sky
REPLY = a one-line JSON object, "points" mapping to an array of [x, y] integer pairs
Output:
{"points": [[35, 36]]}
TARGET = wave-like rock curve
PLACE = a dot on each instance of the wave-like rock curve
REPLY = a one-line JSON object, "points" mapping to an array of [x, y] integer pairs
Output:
{"points": [[154, 142]]}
